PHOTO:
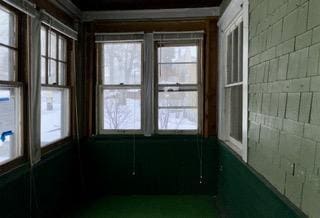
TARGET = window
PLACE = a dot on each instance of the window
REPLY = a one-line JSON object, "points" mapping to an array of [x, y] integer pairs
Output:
{"points": [[177, 87], [10, 89], [148, 85], [121, 86], [233, 87], [55, 92], [234, 77]]}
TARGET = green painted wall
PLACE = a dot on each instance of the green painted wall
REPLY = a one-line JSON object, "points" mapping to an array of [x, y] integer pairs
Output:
{"points": [[284, 98], [55, 187], [242, 194], [164, 165]]}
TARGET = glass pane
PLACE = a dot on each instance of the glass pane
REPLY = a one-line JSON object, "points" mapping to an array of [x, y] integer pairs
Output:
{"points": [[236, 113], [178, 54], [62, 49], [178, 119], [240, 52], [54, 115], [235, 58], [177, 73], [43, 71], [43, 41], [53, 45], [122, 63], [10, 130], [229, 58], [122, 109], [8, 28], [8, 64], [62, 74], [52, 77], [178, 99]]}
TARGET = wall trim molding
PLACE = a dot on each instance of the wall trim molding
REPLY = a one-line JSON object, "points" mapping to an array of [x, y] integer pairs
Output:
{"points": [[151, 14], [68, 7]]}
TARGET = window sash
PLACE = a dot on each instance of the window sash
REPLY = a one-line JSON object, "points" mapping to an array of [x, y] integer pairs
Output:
{"points": [[48, 58], [65, 112], [178, 87]]}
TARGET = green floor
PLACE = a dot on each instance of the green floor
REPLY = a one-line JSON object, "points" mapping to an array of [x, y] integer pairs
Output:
{"points": [[150, 207]]}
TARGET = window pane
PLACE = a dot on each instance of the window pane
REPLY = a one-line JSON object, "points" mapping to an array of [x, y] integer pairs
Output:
{"points": [[240, 52], [178, 54], [177, 73], [43, 70], [122, 109], [53, 45], [178, 119], [54, 115], [62, 49], [52, 77], [43, 41], [235, 58], [236, 113], [8, 64], [62, 73], [178, 99], [8, 28], [122, 63], [229, 58], [10, 131]]}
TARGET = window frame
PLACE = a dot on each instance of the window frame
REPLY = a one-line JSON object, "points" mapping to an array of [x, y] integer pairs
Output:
{"points": [[19, 81], [198, 85], [67, 83], [102, 87], [236, 12], [148, 44]]}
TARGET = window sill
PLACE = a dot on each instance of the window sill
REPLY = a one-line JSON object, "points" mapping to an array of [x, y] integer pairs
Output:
{"points": [[234, 147], [13, 164], [56, 145]]}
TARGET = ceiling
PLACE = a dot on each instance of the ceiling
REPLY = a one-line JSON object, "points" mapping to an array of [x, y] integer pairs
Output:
{"points": [[142, 4]]}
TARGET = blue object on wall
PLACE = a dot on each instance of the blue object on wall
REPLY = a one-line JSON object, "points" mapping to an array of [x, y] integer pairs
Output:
{"points": [[5, 134]]}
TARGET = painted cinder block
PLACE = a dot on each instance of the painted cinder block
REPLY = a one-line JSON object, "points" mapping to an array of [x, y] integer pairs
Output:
{"points": [[274, 104], [308, 155], [293, 127], [299, 85], [286, 47], [315, 111], [316, 35], [304, 40], [295, 23], [298, 64], [294, 186], [293, 103], [282, 105], [305, 107], [312, 132], [290, 146], [315, 84], [311, 196], [283, 67], [314, 60], [266, 99], [314, 14]]}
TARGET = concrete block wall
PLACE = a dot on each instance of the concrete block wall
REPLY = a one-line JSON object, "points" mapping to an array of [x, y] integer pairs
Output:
{"points": [[284, 98]]}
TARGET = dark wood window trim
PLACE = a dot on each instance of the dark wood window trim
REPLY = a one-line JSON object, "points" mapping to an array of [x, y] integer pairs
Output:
{"points": [[20, 81]]}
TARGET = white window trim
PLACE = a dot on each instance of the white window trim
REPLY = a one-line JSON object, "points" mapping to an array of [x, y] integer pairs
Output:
{"points": [[237, 9]]}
